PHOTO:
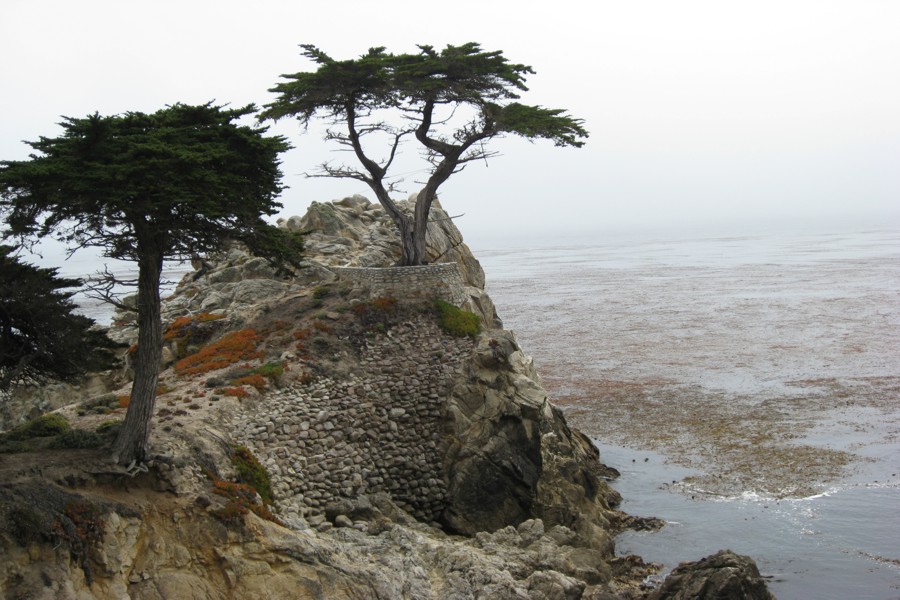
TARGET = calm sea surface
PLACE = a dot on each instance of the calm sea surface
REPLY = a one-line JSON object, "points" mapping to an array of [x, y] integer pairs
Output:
{"points": [[792, 333], [87, 266]]}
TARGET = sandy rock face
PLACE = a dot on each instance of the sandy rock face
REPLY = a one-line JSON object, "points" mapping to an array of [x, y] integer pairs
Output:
{"points": [[163, 546]]}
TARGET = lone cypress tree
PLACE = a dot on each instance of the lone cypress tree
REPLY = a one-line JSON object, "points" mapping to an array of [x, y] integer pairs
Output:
{"points": [[149, 187], [40, 335], [451, 102]]}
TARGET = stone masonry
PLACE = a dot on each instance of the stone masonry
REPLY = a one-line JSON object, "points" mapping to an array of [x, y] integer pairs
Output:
{"points": [[442, 280], [380, 430]]}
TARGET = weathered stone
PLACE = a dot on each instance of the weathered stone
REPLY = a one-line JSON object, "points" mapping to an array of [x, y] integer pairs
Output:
{"points": [[397, 433], [551, 585], [721, 576], [529, 462], [531, 530], [342, 521]]}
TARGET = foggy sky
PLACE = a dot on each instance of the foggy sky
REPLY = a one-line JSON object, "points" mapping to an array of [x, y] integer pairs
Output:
{"points": [[699, 111]]}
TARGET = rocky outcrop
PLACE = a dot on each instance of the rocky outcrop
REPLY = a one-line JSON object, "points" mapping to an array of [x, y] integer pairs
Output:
{"points": [[160, 547], [354, 232], [351, 232], [406, 462], [32, 400], [721, 576], [512, 457]]}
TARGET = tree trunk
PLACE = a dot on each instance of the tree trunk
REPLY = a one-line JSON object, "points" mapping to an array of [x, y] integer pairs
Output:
{"points": [[133, 442], [420, 227], [412, 244], [412, 241]]}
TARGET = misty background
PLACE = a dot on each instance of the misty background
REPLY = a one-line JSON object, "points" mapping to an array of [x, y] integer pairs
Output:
{"points": [[701, 113]]}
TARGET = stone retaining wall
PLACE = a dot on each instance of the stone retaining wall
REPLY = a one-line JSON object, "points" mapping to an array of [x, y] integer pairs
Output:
{"points": [[441, 280], [378, 431]]}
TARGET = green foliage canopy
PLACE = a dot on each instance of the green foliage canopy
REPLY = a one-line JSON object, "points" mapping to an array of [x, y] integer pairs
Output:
{"points": [[454, 76], [451, 101], [40, 335], [172, 184], [177, 182]]}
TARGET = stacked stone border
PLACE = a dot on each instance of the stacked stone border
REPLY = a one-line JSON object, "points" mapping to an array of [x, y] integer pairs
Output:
{"points": [[441, 280], [380, 430]]}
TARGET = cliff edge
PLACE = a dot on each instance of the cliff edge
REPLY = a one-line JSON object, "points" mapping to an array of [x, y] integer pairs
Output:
{"points": [[340, 433]]}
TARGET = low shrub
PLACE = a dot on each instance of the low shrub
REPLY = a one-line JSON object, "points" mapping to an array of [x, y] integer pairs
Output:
{"points": [[235, 392], [271, 371], [8, 446], [232, 514], [109, 429], [100, 405], [378, 313], [242, 497], [26, 524], [78, 438], [456, 321], [214, 382], [251, 472], [81, 526], [256, 380], [189, 331], [178, 326], [43, 426]]}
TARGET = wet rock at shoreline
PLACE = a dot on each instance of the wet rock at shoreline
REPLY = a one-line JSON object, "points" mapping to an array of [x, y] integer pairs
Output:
{"points": [[721, 576]]}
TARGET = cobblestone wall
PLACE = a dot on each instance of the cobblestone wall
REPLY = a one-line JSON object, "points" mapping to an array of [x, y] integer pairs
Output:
{"points": [[441, 280], [379, 431]]}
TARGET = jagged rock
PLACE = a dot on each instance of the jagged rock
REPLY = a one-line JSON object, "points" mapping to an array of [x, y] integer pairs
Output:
{"points": [[550, 585], [722, 576], [513, 457], [530, 531], [350, 232], [354, 232], [382, 444]]}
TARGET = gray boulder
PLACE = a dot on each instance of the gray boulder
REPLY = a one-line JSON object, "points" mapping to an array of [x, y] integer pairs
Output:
{"points": [[722, 576]]}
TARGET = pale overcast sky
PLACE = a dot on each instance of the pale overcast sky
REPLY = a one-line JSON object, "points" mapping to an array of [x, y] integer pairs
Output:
{"points": [[698, 110]]}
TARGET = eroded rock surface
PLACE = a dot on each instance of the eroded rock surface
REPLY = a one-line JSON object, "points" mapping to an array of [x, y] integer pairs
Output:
{"points": [[405, 462], [512, 456], [722, 576]]}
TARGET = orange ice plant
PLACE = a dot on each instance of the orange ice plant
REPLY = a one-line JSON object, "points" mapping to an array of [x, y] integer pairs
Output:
{"points": [[231, 348], [236, 392], [175, 329], [256, 380]]}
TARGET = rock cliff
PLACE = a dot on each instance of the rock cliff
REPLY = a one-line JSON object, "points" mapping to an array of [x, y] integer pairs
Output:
{"points": [[397, 456]]}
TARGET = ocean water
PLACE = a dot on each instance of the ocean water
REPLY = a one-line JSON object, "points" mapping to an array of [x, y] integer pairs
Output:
{"points": [[746, 385], [87, 265]]}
